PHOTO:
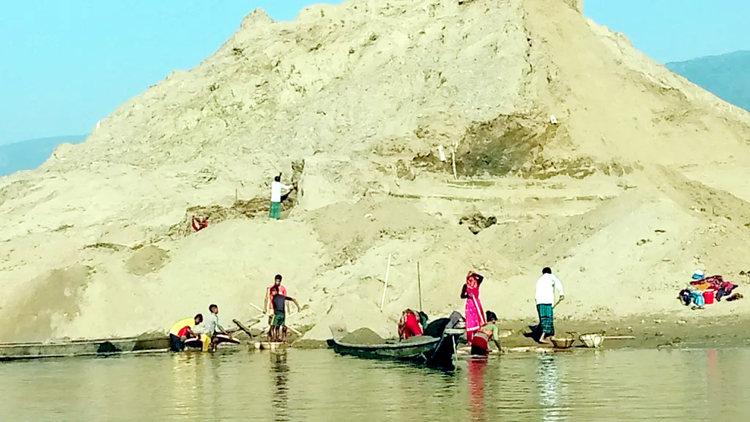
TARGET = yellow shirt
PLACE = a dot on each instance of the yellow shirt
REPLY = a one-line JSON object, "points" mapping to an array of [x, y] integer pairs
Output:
{"points": [[179, 325]]}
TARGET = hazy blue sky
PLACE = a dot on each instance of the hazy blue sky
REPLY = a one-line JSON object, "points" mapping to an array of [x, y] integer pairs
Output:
{"points": [[66, 64]]}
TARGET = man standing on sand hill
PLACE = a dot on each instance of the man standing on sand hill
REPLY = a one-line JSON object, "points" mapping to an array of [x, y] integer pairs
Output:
{"points": [[276, 187], [545, 297]]}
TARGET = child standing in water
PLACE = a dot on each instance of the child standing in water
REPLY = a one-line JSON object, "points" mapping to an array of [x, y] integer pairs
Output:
{"points": [[278, 327]]}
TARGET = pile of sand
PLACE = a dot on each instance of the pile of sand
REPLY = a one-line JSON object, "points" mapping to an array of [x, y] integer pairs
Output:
{"points": [[363, 336], [592, 159]]}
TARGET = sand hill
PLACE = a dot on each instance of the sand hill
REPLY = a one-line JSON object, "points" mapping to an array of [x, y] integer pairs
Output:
{"points": [[592, 159]]}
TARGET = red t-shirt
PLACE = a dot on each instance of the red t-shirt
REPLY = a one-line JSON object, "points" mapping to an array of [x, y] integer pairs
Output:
{"points": [[183, 331]]}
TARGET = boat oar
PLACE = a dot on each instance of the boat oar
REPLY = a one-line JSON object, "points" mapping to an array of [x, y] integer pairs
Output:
{"points": [[266, 313]]}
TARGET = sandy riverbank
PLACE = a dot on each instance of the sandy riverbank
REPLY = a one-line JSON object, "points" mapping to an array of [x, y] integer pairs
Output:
{"points": [[588, 156], [650, 332]]}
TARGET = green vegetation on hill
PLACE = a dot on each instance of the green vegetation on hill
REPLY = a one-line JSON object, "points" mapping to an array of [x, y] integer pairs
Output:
{"points": [[727, 76], [27, 155]]}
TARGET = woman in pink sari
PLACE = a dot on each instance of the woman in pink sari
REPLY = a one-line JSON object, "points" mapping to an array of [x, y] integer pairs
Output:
{"points": [[474, 311]]}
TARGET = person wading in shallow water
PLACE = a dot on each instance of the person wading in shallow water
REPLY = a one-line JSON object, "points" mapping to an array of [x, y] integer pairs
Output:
{"points": [[545, 297], [268, 301], [474, 312], [480, 342], [183, 330], [278, 326]]}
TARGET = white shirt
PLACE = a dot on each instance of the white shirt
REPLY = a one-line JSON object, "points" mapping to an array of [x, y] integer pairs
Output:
{"points": [[210, 325], [545, 289], [276, 188]]}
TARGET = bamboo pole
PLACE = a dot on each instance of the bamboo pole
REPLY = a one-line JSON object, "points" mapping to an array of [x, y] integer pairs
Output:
{"points": [[453, 160], [265, 313], [385, 285], [419, 284]]}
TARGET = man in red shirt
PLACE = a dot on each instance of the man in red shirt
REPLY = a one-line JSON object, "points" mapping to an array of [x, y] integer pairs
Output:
{"points": [[268, 302]]}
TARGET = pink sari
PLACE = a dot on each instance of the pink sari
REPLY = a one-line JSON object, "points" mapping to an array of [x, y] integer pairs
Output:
{"points": [[474, 310]]}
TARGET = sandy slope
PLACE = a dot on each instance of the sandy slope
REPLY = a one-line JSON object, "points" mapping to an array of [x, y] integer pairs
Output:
{"points": [[637, 185]]}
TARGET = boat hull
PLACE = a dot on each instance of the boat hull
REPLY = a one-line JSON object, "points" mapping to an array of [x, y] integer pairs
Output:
{"points": [[431, 351], [97, 347], [386, 351]]}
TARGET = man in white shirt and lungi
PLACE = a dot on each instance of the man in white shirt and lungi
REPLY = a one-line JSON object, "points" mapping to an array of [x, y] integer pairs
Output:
{"points": [[545, 297], [276, 188]]}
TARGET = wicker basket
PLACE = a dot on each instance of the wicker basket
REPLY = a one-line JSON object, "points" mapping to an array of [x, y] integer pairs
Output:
{"points": [[564, 343], [592, 340]]}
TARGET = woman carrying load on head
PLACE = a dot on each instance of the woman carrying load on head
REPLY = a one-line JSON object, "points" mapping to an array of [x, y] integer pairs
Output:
{"points": [[474, 311]]}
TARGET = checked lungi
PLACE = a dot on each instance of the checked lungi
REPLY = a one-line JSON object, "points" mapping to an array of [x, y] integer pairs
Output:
{"points": [[545, 319], [275, 210]]}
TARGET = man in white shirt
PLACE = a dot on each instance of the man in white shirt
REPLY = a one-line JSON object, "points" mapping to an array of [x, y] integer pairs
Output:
{"points": [[545, 297], [276, 188]]}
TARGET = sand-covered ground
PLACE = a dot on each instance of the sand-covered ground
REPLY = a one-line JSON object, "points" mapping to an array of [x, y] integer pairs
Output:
{"points": [[593, 159]]}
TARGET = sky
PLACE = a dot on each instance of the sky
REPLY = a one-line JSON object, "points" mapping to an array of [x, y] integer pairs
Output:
{"points": [[64, 65]]}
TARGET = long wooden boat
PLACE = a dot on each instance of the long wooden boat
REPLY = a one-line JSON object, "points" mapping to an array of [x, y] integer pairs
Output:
{"points": [[71, 348], [431, 351], [94, 347]]}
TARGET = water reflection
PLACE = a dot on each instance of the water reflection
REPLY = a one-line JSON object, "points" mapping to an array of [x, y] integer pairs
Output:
{"points": [[280, 374], [317, 386], [549, 388], [476, 368]]}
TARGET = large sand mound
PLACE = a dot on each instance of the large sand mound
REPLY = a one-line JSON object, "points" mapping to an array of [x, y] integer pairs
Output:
{"points": [[593, 159]]}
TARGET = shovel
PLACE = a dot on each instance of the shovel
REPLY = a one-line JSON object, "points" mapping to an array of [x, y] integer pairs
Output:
{"points": [[556, 303]]}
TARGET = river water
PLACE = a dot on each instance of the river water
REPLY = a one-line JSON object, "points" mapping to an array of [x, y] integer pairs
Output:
{"points": [[316, 385]]}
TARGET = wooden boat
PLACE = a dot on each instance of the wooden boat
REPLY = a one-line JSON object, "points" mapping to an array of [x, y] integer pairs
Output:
{"points": [[430, 351], [70, 348], [96, 347]]}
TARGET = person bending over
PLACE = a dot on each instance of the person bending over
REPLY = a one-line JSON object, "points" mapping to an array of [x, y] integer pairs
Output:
{"points": [[480, 342]]}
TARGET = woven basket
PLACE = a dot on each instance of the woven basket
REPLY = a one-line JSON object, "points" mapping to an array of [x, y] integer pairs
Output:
{"points": [[592, 340], [564, 343]]}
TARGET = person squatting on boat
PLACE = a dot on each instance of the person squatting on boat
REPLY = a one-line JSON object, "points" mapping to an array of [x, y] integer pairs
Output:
{"points": [[212, 329]]}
